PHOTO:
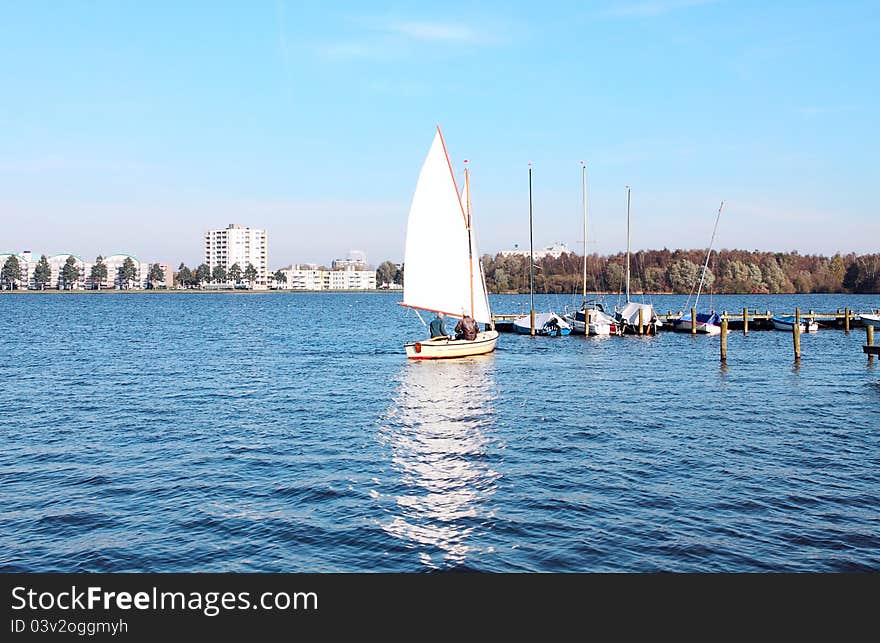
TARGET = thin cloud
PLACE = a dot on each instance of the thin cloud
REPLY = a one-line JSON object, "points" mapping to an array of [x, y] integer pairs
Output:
{"points": [[651, 8], [433, 31], [387, 38]]}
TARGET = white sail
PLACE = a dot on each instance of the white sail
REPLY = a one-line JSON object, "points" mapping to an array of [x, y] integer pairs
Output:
{"points": [[436, 260]]}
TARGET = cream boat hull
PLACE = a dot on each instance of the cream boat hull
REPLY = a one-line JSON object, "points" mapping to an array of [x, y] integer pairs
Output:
{"points": [[445, 348]]}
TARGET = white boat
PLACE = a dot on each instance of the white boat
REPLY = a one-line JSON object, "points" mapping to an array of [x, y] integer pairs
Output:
{"points": [[443, 268], [628, 317], [786, 322], [549, 324], [870, 320], [707, 323], [591, 319]]}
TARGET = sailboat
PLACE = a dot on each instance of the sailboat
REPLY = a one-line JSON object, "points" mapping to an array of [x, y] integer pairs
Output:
{"points": [[632, 313], [548, 324], [443, 268], [707, 323], [591, 319]]}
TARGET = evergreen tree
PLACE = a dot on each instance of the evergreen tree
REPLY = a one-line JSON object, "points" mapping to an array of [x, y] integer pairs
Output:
{"points": [[218, 274], [280, 277], [203, 274], [42, 273], [99, 272], [11, 273], [69, 273], [250, 273], [127, 273], [155, 275], [184, 275], [235, 273]]}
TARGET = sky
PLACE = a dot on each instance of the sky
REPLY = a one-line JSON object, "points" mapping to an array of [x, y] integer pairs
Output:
{"points": [[137, 126]]}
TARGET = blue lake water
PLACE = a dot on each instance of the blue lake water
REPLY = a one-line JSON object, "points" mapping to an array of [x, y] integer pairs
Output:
{"points": [[287, 432]]}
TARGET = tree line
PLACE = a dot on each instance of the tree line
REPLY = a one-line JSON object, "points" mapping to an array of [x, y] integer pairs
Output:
{"points": [[677, 271], [12, 274], [204, 275]]}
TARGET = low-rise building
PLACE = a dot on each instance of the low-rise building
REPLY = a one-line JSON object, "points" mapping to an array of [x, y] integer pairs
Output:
{"points": [[555, 250], [312, 277]]}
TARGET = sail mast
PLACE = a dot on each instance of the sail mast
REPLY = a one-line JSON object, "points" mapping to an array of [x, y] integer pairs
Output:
{"points": [[531, 260], [467, 187], [708, 253], [627, 242], [584, 176]]}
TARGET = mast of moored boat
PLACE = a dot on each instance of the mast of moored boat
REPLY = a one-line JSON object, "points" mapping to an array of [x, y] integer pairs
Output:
{"points": [[584, 179], [708, 253], [467, 188], [531, 260], [627, 243]]}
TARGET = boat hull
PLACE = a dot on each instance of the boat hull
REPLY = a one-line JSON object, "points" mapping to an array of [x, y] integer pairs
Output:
{"points": [[523, 325], [784, 324], [445, 348], [870, 320], [703, 328], [595, 328]]}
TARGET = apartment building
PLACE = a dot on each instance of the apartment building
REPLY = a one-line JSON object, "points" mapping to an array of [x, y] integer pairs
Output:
{"points": [[238, 244]]}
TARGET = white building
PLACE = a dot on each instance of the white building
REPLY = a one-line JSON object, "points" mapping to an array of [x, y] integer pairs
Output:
{"points": [[357, 260], [28, 262], [241, 245], [24, 263], [311, 277], [556, 250], [56, 265]]}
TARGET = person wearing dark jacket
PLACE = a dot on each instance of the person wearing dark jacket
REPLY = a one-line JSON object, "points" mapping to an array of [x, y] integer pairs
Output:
{"points": [[466, 328], [436, 328]]}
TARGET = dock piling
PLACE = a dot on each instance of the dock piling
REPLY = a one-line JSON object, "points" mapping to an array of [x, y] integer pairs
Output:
{"points": [[745, 321], [693, 321], [796, 334], [724, 338], [846, 320], [641, 321]]}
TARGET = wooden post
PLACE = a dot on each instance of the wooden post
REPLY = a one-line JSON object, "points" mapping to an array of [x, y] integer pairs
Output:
{"points": [[693, 321], [870, 332], [641, 321], [796, 334], [846, 320], [587, 322], [745, 321], [532, 322], [724, 338]]}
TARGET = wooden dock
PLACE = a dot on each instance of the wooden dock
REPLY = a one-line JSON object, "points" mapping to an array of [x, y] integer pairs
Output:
{"points": [[746, 320]]}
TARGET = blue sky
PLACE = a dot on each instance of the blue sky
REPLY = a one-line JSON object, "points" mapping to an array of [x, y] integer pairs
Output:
{"points": [[135, 126]]}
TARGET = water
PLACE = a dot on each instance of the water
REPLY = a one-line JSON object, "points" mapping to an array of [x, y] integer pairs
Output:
{"points": [[287, 432]]}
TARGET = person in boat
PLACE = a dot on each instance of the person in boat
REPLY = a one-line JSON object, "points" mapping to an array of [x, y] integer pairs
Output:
{"points": [[466, 328], [437, 327], [552, 326]]}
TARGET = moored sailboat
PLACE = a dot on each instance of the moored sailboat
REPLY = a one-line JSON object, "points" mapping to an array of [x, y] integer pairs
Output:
{"points": [[634, 317], [591, 319], [706, 323], [443, 268]]}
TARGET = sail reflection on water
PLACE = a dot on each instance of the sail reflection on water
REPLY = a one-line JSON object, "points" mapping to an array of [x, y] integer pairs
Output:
{"points": [[440, 431]]}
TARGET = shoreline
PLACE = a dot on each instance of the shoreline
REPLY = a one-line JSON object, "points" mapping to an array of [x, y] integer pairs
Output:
{"points": [[196, 291]]}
